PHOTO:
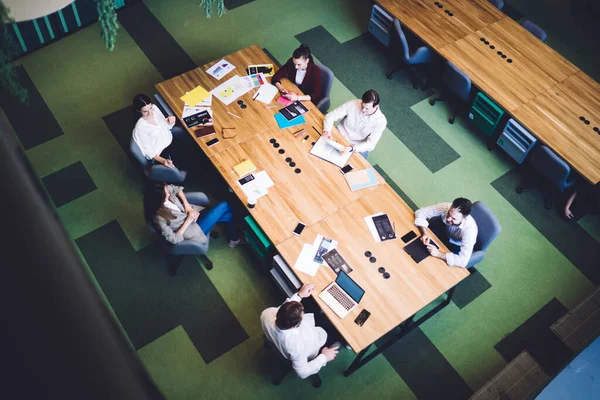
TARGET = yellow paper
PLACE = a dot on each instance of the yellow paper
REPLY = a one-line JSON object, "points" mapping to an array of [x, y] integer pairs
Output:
{"points": [[195, 96], [244, 168]]}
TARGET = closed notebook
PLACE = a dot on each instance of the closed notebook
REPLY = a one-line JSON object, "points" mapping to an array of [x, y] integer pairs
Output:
{"points": [[284, 101], [284, 123], [244, 168], [362, 179], [204, 131]]}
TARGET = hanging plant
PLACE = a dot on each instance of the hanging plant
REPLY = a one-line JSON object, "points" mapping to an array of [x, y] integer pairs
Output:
{"points": [[8, 77], [107, 18], [208, 7]]}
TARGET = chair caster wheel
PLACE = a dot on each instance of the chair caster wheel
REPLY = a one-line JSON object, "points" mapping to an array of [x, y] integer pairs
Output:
{"points": [[389, 76], [208, 265], [451, 121], [431, 102]]}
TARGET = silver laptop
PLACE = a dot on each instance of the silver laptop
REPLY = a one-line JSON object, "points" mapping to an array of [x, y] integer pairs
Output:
{"points": [[342, 295]]}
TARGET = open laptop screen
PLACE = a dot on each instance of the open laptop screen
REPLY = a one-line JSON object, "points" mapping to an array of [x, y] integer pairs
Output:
{"points": [[349, 286]]}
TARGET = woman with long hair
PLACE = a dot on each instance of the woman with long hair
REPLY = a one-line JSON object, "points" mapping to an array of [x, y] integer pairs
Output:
{"points": [[301, 70]]}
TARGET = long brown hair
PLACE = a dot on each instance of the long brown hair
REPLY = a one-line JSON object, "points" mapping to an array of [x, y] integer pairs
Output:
{"points": [[154, 202]]}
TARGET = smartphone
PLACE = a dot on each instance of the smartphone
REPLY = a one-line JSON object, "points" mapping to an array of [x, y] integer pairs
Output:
{"points": [[212, 142], [246, 179], [409, 236], [299, 228], [362, 317], [346, 169]]}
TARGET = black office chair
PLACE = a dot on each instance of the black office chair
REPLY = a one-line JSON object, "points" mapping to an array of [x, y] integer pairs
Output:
{"points": [[316, 379]]}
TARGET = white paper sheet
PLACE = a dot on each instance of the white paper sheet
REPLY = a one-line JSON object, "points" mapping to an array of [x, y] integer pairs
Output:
{"points": [[321, 247], [266, 93], [253, 81], [371, 225], [323, 150], [263, 179], [220, 69], [305, 262], [191, 110], [230, 90]]}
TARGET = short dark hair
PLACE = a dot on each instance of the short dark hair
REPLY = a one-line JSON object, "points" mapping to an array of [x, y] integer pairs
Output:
{"points": [[302, 52], [289, 315], [371, 96], [140, 101], [463, 205]]}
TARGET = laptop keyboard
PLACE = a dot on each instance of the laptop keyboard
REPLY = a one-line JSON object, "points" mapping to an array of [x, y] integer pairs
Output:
{"points": [[341, 297]]}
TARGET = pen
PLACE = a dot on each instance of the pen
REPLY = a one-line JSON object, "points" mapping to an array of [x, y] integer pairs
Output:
{"points": [[297, 132], [305, 138], [233, 115], [271, 107], [394, 227], [316, 130], [255, 94]]}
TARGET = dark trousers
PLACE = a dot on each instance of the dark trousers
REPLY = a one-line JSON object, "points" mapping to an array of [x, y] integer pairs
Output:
{"points": [[439, 229], [310, 306]]}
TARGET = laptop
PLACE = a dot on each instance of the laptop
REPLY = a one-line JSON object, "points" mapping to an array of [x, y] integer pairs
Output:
{"points": [[342, 295]]}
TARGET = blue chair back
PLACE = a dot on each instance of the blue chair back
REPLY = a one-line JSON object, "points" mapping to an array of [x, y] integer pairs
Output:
{"points": [[457, 81], [139, 157], [551, 167], [402, 39], [326, 83], [488, 226], [535, 30], [498, 3]]}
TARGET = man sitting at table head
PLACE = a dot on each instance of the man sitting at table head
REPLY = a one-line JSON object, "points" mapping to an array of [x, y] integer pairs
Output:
{"points": [[460, 230], [296, 336], [362, 122]]}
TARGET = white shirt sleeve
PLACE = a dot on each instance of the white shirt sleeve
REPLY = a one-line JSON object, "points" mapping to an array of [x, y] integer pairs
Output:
{"points": [[305, 368], [469, 238], [335, 115], [424, 214], [371, 141]]}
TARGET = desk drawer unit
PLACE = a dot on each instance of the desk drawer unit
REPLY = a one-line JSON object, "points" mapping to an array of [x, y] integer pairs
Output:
{"points": [[485, 114], [258, 241], [516, 141], [284, 277], [380, 24]]}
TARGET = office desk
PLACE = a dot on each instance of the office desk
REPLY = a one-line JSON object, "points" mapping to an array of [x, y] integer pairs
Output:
{"points": [[434, 26], [526, 68], [391, 301], [555, 117]]}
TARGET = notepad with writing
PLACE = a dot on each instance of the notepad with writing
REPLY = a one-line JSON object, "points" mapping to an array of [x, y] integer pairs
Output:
{"points": [[284, 123], [362, 179], [244, 168]]}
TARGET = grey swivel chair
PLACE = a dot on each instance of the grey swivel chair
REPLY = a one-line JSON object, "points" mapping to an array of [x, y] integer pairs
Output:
{"points": [[156, 172], [535, 30], [326, 82], [316, 379], [498, 3], [553, 169], [177, 251], [410, 56], [488, 229], [458, 83]]}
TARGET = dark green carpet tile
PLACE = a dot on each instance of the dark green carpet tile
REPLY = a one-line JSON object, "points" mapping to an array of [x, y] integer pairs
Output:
{"points": [[155, 41], [396, 188], [567, 236], [361, 64], [231, 4], [470, 288], [33, 122], [121, 123], [535, 336], [68, 184], [424, 369], [267, 52], [512, 12], [149, 303]]}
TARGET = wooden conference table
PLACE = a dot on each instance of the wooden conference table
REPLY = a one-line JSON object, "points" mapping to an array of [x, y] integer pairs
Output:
{"points": [[517, 70], [320, 197]]}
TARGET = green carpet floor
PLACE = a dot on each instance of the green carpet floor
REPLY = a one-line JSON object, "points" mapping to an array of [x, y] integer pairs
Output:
{"points": [[526, 273]]}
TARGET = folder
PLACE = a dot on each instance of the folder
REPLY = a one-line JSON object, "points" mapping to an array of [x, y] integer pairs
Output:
{"points": [[284, 123], [361, 179], [244, 168], [195, 96]]}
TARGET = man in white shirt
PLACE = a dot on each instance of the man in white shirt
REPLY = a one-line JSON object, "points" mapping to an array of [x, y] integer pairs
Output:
{"points": [[460, 230], [296, 336], [362, 122]]}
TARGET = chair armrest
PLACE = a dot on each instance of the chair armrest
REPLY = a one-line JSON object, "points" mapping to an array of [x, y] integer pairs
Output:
{"points": [[189, 247], [323, 104], [198, 198], [422, 55], [476, 258], [161, 173]]}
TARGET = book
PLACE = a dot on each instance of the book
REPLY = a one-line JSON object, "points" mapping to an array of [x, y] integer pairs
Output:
{"points": [[244, 168], [323, 150], [293, 110], [362, 179], [284, 101], [284, 123], [204, 131]]}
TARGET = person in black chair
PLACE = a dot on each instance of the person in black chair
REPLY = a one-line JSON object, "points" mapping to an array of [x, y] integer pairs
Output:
{"points": [[296, 336], [453, 225]]}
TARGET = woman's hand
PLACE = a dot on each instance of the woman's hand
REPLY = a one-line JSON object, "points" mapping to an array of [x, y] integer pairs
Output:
{"points": [[171, 120], [168, 163], [192, 216], [188, 208], [291, 96]]}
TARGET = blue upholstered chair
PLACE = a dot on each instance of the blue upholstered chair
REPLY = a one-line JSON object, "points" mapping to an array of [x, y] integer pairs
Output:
{"points": [[156, 172], [458, 83], [410, 57], [316, 379], [326, 82], [535, 30], [498, 3], [553, 169], [177, 251], [488, 229]]}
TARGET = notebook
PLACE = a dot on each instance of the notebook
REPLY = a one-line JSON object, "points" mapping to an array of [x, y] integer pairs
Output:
{"points": [[293, 110], [324, 150], [284, 123], [284, 101], [362, 179], [204, 131], [244, 168]]}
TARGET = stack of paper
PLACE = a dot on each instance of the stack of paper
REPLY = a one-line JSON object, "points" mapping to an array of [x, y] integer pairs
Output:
{"points": [[311, 256], [361, 179], [324, 150], [265, 93]]}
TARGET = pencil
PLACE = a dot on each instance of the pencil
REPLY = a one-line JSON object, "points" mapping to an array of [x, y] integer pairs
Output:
{"points": [[233, 115], [297, 132], [271, 107], [316, 130]]}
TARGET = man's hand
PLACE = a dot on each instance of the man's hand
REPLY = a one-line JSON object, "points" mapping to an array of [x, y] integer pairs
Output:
{"points": [[435, 252], [330, 353], [425, 239], [171, 120], [305, 290], [347, 149], [327, 134]]}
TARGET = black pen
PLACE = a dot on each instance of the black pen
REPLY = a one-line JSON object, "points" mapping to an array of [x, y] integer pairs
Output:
{"points": [[294, 134], [255, 94], [317, 131]]}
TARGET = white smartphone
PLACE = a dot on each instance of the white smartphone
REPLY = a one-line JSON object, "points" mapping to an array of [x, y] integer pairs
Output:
{"points": [[299, 228]]}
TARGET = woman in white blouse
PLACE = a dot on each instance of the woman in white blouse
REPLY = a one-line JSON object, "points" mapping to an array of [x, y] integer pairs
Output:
{"points": [[152, 132]]}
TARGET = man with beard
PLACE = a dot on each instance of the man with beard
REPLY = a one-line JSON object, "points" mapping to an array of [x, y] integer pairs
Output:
{"points": [[454, 224]]}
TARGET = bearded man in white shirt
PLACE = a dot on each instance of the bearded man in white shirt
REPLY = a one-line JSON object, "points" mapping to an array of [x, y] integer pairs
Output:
{"points": [[460, 230], [296, 336], [362, 123]]}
